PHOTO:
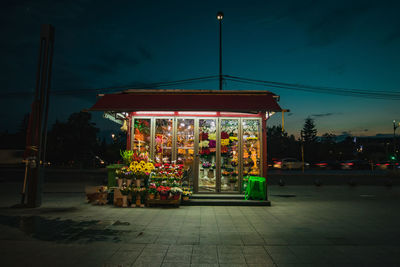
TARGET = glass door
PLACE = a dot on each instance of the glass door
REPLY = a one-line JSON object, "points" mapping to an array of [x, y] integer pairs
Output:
{"points": [[163, 141], [229, 155], [141, 136], [207, 174], [251, 147], [185, 147]]}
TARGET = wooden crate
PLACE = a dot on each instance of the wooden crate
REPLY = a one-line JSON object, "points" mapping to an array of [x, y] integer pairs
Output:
{"points": [[94, 196]]}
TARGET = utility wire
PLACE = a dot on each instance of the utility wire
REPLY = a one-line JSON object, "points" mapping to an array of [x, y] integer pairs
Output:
{"points": [[319, 89], [115, 88], [269, 84]]}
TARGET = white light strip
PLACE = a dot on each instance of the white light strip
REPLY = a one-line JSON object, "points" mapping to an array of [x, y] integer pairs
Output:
{"points": [[121, 115], [155, 112], [196, 113]]}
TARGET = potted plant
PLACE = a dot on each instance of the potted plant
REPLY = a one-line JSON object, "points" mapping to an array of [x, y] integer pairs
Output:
{"points": [[163, 191], [119, 177], [176, 192], [142, 192], [186, 193], [152, 191], [125, 190]]}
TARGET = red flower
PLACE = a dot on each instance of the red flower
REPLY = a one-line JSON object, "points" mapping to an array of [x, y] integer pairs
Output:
{"points": [[224, 135], [205, 151], [203, 136]]}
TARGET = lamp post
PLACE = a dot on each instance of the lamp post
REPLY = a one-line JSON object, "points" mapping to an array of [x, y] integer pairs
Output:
{"points": [[395, 126], [220, 16], [302, 149]]}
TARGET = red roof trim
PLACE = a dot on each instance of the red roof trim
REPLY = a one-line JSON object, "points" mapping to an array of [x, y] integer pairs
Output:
{"points": [[166, 100]]}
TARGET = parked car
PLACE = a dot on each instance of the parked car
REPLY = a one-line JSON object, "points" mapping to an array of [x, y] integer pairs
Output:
{"points": [[327, 165], [387, 165], [355, 165], [272, 162], [290, 163]]}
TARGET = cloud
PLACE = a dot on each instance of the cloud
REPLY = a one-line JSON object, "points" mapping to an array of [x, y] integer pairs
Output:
{"points": [[325, 22], [323, 115]]}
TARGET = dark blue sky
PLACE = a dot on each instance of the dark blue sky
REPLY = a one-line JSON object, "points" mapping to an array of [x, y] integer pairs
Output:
{"points": [[347, 44]]}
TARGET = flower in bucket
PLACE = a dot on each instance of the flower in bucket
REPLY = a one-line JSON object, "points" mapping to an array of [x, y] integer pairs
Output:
{"points": [[152, 188], [206, 165], [186, 193], [141, 170], [125, 190], [176, 190], [163, 190]]}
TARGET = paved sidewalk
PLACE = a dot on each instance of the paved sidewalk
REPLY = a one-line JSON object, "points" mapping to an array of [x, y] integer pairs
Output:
{"points": [[305, 226]]}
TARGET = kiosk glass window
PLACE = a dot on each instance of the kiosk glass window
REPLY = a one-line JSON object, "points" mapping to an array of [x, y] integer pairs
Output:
{"points": [[163, 141], [207, 154], [251, 147], [141, 136], [229, 155]]}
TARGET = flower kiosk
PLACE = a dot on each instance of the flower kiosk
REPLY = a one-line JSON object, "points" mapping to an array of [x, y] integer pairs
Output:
{"points": [[214, 139]]}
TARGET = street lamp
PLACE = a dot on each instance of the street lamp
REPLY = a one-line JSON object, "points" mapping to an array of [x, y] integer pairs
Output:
{"points": [[220, 16], [395, 126]]}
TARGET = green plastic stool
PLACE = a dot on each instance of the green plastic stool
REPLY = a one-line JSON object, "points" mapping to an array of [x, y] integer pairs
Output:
{"points": [[256, 188]]}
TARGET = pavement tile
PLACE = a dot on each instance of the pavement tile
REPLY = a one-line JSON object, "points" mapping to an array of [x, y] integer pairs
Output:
{"points": [[332, 226], [231, 258], [204, 265]]}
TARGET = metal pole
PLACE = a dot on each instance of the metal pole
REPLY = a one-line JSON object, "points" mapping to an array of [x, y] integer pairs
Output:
{"points": [[264, 149], [35, 147], [220, 16], [394, 137], [220, 55], [302, 150]]}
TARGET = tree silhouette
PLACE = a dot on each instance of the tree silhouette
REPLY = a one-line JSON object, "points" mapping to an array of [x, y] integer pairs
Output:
{"points": [[280, 145], [309, 137], [74, 141], [309, 132]]}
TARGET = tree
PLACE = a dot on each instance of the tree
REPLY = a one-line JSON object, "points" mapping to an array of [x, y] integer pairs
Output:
{"points": [[327, 147], [309, 132], [279, 144], [74, 141], [309, 137]]}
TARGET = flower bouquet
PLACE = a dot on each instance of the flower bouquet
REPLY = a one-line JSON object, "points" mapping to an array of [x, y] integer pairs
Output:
{"points": [[186, 193], [125, 190], [152, 191], [206, 165], [176, 192], [163, 191], [141, 171], [142, 192], [226, 173]]}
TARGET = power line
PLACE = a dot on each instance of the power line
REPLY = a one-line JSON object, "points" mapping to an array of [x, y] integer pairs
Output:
{"points": [[319, 89], [115, 88], [374, 94]]}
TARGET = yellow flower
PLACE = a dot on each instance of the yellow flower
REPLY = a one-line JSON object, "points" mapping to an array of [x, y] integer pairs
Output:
{"points": [[233, 138], [150, 166], [224, 142], [212, 136]]}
